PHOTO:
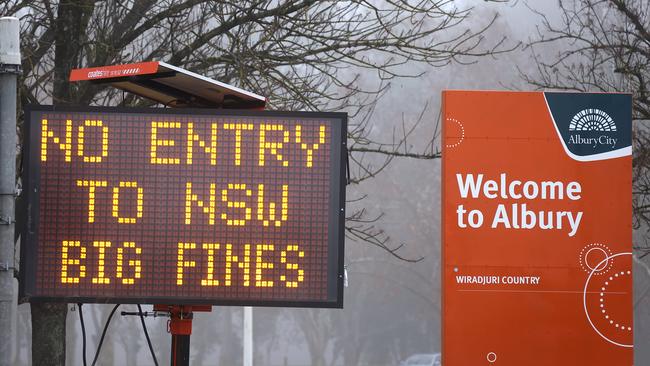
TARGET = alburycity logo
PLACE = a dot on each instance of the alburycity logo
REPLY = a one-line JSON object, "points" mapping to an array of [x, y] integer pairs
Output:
{"points": [[590, 127]]}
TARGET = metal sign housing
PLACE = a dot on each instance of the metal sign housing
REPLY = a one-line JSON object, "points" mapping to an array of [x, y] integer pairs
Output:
{"points": [[184, 206]]}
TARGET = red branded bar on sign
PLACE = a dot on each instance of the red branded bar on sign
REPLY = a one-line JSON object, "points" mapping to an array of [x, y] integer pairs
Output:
{"points": [[115, 71]]}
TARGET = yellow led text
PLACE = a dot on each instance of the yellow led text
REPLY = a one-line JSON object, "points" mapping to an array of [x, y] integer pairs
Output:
{"points": [[92, 199], [155, 142], [244, 263], [190, 198], [66, 146], [66, 261], [268, 213], [292, 266], [275, 146], [135, 263], [65, 143], [101, 248], [273, 216], [182, 263], [102, 245], [91, 184], [257, 258], [260, 265], [209, 279], [307, 147], [238, 127], [236, 204], [272, 143], [139, 202], [81, 139], [192, 137]]}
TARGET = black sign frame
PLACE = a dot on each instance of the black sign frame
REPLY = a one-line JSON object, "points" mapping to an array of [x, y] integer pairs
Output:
{"points": [[336, 210]]}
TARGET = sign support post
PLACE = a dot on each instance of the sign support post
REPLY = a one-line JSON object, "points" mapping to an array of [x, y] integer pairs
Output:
{"points": [[9, 70], [180, 327], [248, 336]]}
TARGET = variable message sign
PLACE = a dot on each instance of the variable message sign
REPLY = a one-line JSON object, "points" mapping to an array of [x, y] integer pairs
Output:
{"points": [[537, 229], [184, 206]]}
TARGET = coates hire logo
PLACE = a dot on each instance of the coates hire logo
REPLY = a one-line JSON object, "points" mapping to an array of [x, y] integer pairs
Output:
{"points": [[592, 126]]}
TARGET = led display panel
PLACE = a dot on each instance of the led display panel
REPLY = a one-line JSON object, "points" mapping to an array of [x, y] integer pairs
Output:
{"points": [[184, 206]]}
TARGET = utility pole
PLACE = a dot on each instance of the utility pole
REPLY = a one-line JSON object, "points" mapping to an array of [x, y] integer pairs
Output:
{"points": [[9, 70], [248, 336]]}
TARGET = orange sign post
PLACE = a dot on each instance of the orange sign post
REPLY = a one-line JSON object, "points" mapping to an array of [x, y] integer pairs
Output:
{"points": [[537, 262]]}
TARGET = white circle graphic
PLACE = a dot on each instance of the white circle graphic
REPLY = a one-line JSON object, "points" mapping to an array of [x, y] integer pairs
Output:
{"points": [[602, 300], [597, 268], [592, 250], [462, 133], [584, 301], [491, 357]]}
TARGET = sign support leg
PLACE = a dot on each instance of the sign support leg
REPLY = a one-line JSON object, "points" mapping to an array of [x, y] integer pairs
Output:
{"points": [[180, 327], [180, 352]]}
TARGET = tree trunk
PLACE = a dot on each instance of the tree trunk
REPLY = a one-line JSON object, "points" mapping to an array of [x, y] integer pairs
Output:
{"points": [[71, 28], [48, 319], [48, 333]]}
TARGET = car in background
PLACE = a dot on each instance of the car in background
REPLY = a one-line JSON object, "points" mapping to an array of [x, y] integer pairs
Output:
{"points": [[423, 359]]}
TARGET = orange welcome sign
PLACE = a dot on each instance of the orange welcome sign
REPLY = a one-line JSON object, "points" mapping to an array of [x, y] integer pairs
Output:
{"points": [[537, 236]]}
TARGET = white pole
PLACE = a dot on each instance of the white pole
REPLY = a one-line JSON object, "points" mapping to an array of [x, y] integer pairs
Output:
{"points": [[248, 336], [9, 69]]}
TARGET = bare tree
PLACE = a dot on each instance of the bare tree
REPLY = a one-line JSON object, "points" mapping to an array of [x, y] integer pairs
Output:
{"points": [[604, 46], [301, 54], [641, 189]]}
